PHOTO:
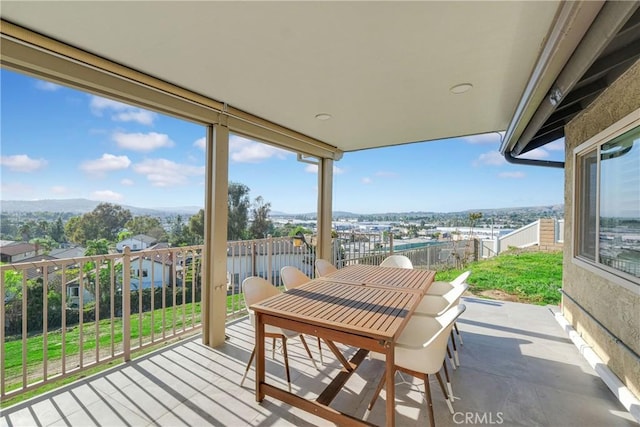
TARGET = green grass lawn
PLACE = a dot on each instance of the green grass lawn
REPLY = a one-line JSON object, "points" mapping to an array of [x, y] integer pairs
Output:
{"points": [[529, 277], [141, 326]]}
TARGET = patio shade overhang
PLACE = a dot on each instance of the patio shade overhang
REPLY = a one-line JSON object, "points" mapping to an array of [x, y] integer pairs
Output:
{"points": [[382, 71], [607, 50]]}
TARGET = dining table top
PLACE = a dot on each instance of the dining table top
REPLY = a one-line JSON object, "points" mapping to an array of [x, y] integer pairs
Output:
{"points": [[372, 311], [392, 277]]}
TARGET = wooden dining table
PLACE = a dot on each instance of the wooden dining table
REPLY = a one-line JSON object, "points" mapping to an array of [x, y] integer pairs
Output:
{"points": [[362, 306]]}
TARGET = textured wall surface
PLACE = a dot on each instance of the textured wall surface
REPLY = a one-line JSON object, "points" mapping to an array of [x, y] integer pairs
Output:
{"points": [[613, 305]]}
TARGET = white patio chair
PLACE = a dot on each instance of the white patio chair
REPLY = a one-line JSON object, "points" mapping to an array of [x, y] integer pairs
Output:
{"points": [[254, 290], [435, 305], [441, 288], [420, 352], [324, 267], [398, 261]]}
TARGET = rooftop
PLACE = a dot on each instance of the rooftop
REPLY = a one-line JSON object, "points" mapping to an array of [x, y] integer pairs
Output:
{"points": [[517, 365]]}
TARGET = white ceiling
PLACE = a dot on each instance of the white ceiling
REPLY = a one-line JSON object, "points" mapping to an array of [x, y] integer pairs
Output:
{"points": [[383, 70]]}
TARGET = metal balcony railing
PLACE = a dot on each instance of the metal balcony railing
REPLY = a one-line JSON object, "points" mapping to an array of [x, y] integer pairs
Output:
{"points": [[64, 316]]}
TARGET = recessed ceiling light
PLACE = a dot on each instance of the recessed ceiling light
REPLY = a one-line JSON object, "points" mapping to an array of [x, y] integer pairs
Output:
{"points": [[461, 88], [323, 116]]}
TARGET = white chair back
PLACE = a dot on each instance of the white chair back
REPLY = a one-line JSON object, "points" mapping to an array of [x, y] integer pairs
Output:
{"points": [[426, 341], [398, 261], [461, 278], [292, 277], [254, 290], [324, 267]]}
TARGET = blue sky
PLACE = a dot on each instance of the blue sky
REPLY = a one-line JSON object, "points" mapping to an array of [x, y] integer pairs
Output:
{"points": [[60, 143]]}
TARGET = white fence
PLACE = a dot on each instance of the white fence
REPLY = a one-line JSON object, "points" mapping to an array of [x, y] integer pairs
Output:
{"points": [[526, 236]]}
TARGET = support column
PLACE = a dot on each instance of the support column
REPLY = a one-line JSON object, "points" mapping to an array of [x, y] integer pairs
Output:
{"points": [[214, 256], [325, 208]]}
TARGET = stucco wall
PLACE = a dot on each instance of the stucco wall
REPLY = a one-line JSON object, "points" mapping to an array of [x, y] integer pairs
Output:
{"points": [[613, 305]]}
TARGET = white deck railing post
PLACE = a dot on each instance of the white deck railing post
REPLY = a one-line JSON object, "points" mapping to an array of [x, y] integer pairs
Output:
{"points": [[126, 303]]}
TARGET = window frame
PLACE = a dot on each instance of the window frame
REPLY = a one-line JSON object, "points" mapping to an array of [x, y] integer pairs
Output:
{"points": [[629, 122]]}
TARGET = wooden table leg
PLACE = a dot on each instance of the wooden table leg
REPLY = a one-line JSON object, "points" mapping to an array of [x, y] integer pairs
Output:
{"points": [[391, 387], [260, 363], [336, 352]]}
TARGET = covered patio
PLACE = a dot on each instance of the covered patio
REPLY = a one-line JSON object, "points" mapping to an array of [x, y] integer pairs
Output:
{"points": [[321, 79], [517, 368]]}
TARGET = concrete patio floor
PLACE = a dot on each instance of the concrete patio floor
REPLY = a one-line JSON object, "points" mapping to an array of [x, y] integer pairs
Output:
{"points": [[517, 368]]}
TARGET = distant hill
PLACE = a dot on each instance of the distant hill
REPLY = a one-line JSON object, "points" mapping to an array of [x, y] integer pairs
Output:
{"points": [[81, 206], [541, 210]]}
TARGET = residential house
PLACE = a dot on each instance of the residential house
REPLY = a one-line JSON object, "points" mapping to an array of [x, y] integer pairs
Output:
{"points": [[73, 294], [151, 272], [136, 243], [65, 253], [17, 251]]}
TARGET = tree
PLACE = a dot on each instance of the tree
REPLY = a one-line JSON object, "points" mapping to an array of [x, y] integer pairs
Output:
{"points": [[124, 234], [179, 234], [43, 244], [196, 227], [42, 228], [97, 247], [57, 231], [73, 230], [12, 285], [473, 219], [104, 222], [261, 225], [109, 219], [238, 211], [25, 231], [299, 229], [145, 224]]}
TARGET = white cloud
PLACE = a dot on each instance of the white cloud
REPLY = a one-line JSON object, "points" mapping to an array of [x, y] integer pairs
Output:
{"points": [[366, 180], [243, 150], [139, 116], [201, 143], [107, 195], [59, 189], [121, 112], [165, 173], [47, 86], [22, 163], [514, 175], [106, 163], [485, 138], [492, 158], [143, 142], [126, 181], [314, 169], [536, 154]]}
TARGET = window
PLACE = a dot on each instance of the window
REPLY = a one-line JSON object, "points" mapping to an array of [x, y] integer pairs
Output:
{"points": [[608, 202], [136, 272]]}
